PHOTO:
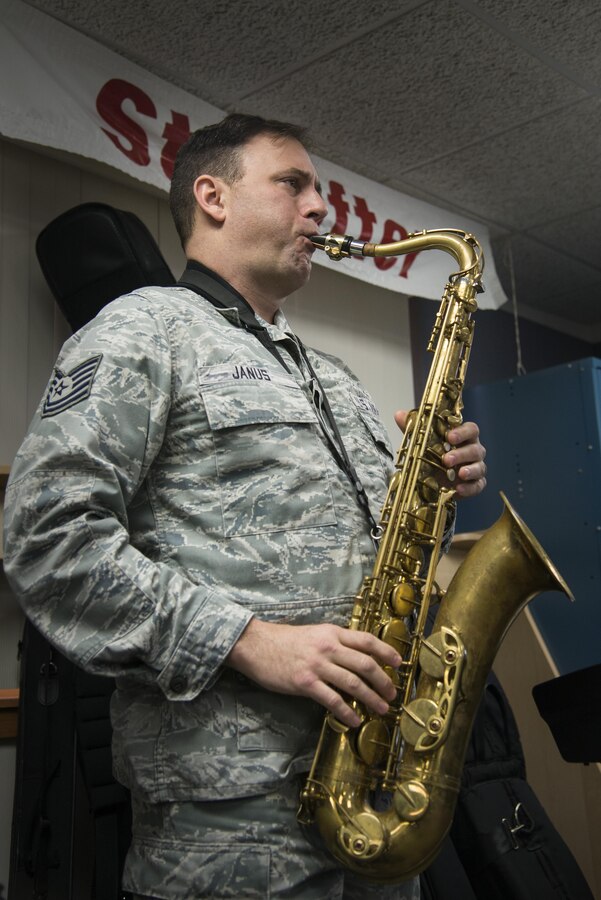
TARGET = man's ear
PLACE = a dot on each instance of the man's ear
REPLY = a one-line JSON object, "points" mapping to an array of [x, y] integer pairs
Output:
{"points": [[209, 193]]}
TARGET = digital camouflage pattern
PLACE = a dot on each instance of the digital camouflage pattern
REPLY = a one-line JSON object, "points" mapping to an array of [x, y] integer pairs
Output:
{"points": [[174, 482], [204, 852], [184, 489]]}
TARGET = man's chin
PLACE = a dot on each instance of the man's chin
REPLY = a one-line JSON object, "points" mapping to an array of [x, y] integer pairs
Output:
{"points": [[297, 278], [304, 268]]}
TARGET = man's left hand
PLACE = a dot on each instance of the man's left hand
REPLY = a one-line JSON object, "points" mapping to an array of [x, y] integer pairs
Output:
{"points": [[466, 456]]}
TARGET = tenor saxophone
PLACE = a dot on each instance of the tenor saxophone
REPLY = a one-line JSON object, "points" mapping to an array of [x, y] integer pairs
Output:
{"points": [[382, 795]]}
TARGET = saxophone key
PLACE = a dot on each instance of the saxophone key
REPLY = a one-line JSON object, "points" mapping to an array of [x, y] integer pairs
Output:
{"points": [[410, 558], [417, 720], [423, 519], [452, 392], [396, 633], [411, 800], [336, 725], [363, 837], [404, 597], [440, 651], [372, 742], [429, 489], [393, 674]]}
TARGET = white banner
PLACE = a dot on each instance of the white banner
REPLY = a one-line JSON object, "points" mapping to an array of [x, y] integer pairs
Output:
{"points": [[63, 90]]}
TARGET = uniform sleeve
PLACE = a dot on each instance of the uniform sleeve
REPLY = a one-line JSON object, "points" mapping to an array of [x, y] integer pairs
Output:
{"points": [[68, 556]]}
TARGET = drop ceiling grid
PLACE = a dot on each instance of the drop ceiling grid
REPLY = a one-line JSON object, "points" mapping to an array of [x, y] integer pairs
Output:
{"points": [[435, 83]]}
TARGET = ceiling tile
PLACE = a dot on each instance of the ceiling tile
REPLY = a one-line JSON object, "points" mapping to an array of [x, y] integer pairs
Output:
{"points": [[546, 170], [578, 235], [569, 34]]}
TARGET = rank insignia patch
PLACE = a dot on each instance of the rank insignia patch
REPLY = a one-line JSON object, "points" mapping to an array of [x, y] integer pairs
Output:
{"points": [[67, 390]]}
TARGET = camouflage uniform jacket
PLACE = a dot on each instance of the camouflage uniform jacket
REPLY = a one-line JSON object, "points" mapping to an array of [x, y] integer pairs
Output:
{"points": [[175, 481]]}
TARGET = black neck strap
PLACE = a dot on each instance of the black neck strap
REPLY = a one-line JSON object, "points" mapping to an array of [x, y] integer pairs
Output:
{"points": [[222, 295]]}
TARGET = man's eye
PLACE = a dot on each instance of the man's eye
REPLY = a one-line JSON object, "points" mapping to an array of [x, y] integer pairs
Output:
{"points": [[293, 182]]}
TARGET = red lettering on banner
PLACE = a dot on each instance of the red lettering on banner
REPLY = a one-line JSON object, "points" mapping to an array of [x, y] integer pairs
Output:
{"points": [[177, 133], [368, 219], [341, 207], [109, 105], [395, 232]]}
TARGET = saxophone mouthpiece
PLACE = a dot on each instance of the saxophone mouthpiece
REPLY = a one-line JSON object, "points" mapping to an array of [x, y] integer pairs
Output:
{"points": [[338, 246]]}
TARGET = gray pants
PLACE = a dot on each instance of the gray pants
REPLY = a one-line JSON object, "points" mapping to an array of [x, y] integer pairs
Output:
{"points": [[238, 849]]}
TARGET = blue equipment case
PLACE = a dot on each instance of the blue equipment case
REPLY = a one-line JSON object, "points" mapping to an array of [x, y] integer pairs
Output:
{"points": [[543, 436]]}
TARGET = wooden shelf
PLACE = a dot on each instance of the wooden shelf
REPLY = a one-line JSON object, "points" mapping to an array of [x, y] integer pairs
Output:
{"points": [[9, 713]]}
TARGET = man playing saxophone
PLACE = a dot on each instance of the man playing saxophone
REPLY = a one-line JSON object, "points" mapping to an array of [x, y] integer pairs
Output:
{"points": [[186, 516]]}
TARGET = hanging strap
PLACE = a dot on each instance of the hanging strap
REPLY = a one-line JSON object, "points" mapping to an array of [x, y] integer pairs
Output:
{"points": [[337, 446], [216, 290]]}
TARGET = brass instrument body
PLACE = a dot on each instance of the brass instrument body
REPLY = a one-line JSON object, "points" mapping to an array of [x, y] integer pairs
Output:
{"points": [[383, 795]]}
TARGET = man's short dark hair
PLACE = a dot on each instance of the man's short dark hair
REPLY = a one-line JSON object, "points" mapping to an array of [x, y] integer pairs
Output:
{"points": [[215, 150]]}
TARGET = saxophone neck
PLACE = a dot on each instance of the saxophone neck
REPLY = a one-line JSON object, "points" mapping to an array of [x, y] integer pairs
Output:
{"points": [[460, 244]]}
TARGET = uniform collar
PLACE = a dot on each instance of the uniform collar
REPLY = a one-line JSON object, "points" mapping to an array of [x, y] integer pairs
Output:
{"points": [[228, 301], [231, 304]]}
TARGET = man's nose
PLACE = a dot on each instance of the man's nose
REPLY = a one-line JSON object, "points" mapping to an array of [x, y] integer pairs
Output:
{"points": [[317, 207]]}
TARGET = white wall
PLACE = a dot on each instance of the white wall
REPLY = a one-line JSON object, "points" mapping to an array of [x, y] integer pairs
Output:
{"points": [[368, 327]]}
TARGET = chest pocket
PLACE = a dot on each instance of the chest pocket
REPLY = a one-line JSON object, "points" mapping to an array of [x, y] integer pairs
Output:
{"points": [[270, 461], [378, 435]]}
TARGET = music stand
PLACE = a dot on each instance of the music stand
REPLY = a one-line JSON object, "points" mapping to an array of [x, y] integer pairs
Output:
{"points": [[571, 707]]}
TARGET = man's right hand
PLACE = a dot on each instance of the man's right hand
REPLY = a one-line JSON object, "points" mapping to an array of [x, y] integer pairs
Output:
{"points": [[323, 662]]}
